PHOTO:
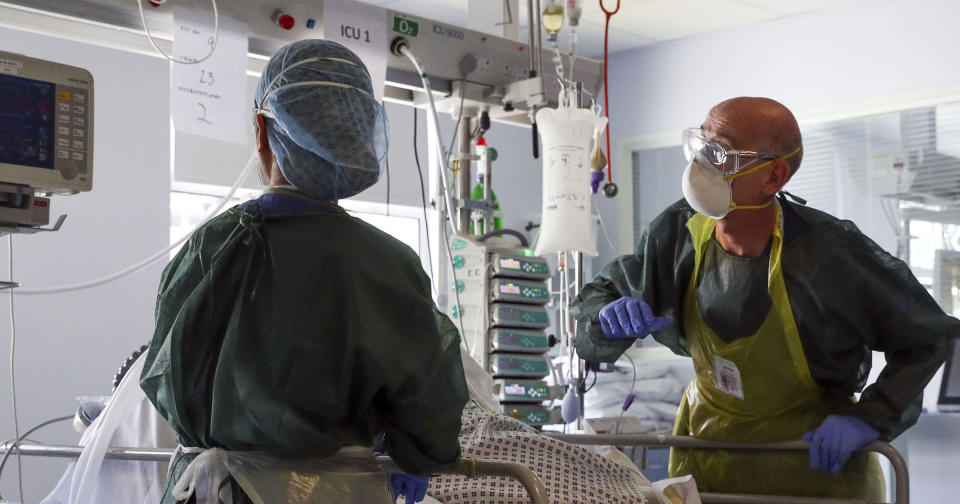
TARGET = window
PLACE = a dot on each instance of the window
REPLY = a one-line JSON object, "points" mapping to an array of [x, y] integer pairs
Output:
{"points": [[187, 211]]}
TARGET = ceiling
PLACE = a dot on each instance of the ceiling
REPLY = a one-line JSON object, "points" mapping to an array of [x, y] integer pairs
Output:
{"points": [[638, 23]]}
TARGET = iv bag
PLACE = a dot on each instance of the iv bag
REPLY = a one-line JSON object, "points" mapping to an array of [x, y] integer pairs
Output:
{"points": [[566, 222]]}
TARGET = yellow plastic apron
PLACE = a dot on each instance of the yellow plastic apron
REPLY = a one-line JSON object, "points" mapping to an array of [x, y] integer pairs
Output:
{"points": [[780, 400]]}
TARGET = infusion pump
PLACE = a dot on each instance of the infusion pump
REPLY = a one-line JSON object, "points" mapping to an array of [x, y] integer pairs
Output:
{"points": [[46, 136]]}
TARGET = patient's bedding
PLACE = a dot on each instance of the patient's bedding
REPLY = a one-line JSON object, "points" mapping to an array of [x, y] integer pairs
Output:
{"points": [[572, 474]]}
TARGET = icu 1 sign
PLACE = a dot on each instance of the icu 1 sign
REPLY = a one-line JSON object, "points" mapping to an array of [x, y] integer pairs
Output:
{"points": [[362, 29], [355, 33], [405, 26]]}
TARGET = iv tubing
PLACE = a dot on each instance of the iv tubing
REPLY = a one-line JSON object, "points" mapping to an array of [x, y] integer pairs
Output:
{"points": [[153, 258]]}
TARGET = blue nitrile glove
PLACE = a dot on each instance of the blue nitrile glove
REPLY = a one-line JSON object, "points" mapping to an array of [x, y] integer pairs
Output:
{"points": [[629, 317], [413, 488], [832, 443]]}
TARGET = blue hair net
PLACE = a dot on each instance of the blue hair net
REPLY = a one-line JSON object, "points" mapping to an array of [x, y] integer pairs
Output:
{"points": [[324, 125]]}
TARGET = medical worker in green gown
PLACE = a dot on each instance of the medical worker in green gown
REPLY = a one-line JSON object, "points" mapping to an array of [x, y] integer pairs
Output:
{"points": [[287, 327], [779, 305]]}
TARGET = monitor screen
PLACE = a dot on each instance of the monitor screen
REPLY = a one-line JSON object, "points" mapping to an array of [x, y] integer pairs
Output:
{"points": [[950, 387], [26, 122]]}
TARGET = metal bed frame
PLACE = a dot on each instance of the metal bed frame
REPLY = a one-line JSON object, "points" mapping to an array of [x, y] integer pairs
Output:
{"points": [[471, 468], [647, 440]]}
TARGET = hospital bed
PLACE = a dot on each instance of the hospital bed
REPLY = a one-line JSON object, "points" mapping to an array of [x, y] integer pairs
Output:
{"points": [[647, 440], [470, 468]]}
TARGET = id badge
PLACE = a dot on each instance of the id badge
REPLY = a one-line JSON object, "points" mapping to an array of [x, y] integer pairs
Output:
{"points": [[727, 376]]}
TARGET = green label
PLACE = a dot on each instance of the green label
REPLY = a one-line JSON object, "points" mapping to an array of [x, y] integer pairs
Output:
{"points": [[458, 244], [405, 26]]}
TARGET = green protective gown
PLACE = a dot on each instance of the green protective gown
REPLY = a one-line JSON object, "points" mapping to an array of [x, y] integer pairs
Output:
{"points": [[848, 297], [297, 333]]}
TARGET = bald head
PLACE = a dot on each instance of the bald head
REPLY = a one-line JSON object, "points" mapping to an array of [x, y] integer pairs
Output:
{"points": [[758, 124]]}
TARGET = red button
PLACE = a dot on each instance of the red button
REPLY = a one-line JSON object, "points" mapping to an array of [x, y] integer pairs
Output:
{"points": [[286, 21]]}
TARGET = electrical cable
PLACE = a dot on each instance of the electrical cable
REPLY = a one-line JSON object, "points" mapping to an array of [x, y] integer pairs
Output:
{"points": [[13, 375], [444, 158], [213, 44], [20, 439], [456, 127], [505, 231], [593, 383], [153, 258], [606, 92], [423, 198]]}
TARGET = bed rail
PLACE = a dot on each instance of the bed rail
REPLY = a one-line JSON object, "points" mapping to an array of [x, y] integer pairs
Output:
{"points": [[902, 492], [471, 468]]}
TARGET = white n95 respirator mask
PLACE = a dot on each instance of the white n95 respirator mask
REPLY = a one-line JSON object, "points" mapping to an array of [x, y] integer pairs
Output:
{"points": [[710, 192]]}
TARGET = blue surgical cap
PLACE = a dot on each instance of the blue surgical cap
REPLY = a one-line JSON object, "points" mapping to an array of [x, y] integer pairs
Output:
{"points": [[326, 129]]}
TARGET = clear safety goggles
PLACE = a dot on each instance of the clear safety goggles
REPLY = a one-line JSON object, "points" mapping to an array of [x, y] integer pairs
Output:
{"points": [[727, 161]]}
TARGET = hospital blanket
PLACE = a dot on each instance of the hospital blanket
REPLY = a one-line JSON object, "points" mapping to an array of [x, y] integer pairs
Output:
{"points": [[572, 474]]}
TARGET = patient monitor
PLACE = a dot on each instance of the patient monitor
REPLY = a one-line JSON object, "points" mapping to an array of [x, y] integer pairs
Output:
{"points": [[46, 137]]}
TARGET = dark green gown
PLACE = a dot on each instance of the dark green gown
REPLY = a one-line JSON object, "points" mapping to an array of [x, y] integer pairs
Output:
{"points": [[296, 329], [848, 297]]}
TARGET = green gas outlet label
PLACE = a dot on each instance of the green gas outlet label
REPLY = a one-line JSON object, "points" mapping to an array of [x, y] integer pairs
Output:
{"points": [[405, 26]]}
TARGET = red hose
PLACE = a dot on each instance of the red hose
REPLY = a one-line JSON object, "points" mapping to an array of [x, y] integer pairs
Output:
{"points": [[606, 94]]}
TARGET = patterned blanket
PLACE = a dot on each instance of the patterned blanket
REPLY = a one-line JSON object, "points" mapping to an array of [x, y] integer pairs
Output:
{"points": [[572, 474]]}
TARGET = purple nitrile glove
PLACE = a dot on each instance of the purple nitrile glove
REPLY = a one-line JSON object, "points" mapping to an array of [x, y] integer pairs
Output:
{"points": [[412, 488], [837, 437], [629, 317], [595, 179]]}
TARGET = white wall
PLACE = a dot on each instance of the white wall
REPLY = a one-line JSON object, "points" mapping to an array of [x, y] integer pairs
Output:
{"points": [[811, 62], [858, 59], [72, 344]]}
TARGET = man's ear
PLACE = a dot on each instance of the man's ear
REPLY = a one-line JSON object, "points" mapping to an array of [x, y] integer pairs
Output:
{"points": [[778, 175], [263, 141]]}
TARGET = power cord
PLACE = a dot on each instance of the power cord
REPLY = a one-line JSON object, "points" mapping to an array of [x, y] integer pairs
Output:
{"points": [[13, 376]]}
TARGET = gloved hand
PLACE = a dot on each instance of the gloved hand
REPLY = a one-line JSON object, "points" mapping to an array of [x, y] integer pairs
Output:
{"points": [[629, 317], [595, 178], [413, 488], [832, 443]]}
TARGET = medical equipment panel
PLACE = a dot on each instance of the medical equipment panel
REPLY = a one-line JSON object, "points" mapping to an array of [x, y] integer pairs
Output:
{"points": [[504, 339], [505, 265], [517, 291], [519, 365], [533, 414], [516, 390], [518, 315], [46, 134]]}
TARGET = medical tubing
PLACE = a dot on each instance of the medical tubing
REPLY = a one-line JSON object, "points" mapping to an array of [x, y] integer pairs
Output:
{"points": [[572, 56], [213, 45], [606, 93], [439, 139], [603, 227], [153, 258], [13, 377], [6, 455], [512, 232], [423, 198], [633, 386]]}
